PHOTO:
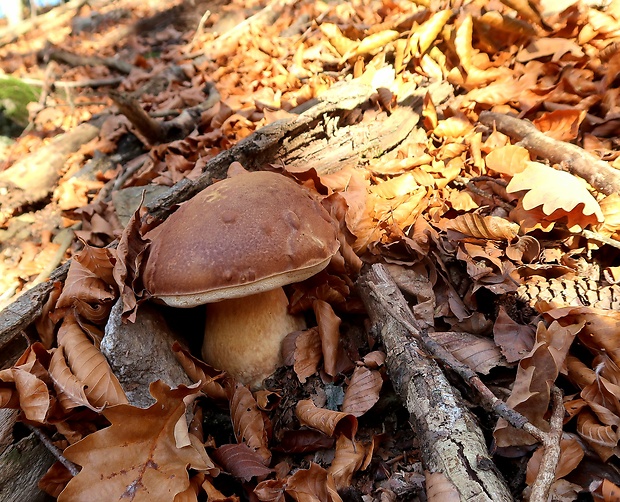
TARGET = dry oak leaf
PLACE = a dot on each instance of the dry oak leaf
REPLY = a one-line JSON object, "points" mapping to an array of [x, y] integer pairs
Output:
{"points": [[559, 193], [137, 457]]}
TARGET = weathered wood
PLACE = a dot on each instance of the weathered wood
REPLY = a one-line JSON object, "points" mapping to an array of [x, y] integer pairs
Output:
{"points": [[32, 178], [22, 463], [450, 440]]}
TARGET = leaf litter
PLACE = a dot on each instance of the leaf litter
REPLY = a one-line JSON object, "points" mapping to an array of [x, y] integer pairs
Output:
{"points": [[508, 258]]}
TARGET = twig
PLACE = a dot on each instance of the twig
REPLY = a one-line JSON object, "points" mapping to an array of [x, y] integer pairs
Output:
{"points": [[97, 82], [71, 467], [580, 162], [483, 193], [550, 440], [551, 453], [436, 350], [589, 234]]}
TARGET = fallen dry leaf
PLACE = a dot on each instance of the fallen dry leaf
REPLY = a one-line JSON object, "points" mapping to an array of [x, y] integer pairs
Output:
{"points": [[137, 456]]}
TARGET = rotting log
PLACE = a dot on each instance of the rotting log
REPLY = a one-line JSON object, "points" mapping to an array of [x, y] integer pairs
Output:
{"points": [[450, 440]]}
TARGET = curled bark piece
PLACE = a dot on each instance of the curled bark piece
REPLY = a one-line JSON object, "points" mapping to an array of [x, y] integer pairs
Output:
{"points": [[580, 162], [450, 439]]}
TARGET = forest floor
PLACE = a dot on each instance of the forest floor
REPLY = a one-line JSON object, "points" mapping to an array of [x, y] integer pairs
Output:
{"points": [[462, 344]]}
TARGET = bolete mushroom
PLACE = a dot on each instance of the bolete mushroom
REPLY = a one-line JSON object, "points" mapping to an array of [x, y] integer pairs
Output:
{"points": [[232, 247]]}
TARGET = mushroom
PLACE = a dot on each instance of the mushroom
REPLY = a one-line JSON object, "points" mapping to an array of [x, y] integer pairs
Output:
{"points": [[232, 247]]}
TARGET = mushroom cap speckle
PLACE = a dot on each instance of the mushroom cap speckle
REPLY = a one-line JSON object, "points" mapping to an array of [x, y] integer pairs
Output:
{"points": [[243, 235]]}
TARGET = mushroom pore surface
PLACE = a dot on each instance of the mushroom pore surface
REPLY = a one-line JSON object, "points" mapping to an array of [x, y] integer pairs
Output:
{"points": [[247, 234]]}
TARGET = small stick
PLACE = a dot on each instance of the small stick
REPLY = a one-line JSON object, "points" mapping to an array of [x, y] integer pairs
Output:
{"points": [[71, 467], [551, 454]]}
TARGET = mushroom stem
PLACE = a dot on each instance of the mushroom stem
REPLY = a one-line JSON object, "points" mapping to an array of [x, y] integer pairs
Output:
{"points": [[243, 336]]}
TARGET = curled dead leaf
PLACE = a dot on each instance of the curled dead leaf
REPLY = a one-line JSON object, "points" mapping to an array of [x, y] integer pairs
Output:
{"points": [[327, 421], [249, 422], [484, 227]]}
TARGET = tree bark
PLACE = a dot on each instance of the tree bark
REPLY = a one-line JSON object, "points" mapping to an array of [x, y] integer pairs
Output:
{"points": [[450, 440]]}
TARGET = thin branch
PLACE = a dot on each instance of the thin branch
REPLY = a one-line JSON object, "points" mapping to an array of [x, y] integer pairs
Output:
{"points": [[551, 454], [71, 467]]}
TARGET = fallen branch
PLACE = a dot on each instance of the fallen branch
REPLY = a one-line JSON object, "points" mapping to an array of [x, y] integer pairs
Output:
{"points": [[71, 59], [578, 161], [451, 442], [387, 299], [32, 178]]}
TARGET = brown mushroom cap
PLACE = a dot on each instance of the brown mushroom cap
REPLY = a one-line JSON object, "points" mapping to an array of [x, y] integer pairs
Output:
{"points": [[243, 235]]}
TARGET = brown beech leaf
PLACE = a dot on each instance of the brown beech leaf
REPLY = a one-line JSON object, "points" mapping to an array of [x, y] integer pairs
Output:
{"points": [[270, 490], [335, 360], [571, 453], [303, 441], [535, 375], [509, 159], [605, 491], [195, 487], [478, 352], [82, 286], [44, 324], [312, 485], [602, 438], [100, 261], [130, 252], [327, 421], [69, 389], [439, 488], [136, 457], [34, 397], [559, 193], [241, 461], [307, 353], [28, 376], [213, 494], [362, 392], [89, 365], [525, 250], [249, 422], [562, 125], [515, 340], [199, 371], [484, 227], [348, 460]]}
